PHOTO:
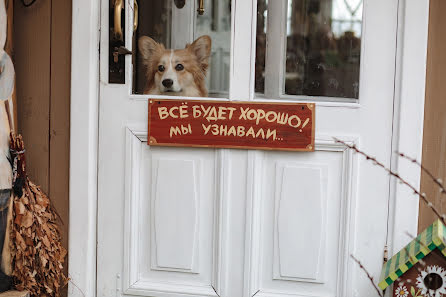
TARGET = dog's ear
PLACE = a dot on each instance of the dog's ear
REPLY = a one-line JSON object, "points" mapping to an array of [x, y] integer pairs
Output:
{"points": [[202, 50], [149, 50]]}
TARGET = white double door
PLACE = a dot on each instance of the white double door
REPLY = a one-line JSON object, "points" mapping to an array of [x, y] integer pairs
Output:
{"points": [[181, 221]]}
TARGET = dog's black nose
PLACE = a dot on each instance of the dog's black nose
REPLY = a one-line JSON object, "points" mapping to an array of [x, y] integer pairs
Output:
{"points": [[167, 83]]}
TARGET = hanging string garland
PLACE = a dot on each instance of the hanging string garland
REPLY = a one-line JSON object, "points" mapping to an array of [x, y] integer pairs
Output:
{"points": [[27, 4]]}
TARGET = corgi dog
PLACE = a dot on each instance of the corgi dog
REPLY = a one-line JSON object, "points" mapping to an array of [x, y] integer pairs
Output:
{"points": [[176, 72]]}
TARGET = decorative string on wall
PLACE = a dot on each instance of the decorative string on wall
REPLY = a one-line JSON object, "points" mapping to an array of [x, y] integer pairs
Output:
{"points": [[27, 4]]}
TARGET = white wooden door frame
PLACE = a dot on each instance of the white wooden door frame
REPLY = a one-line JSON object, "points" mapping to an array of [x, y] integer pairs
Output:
{"points": [[408, 122], [83, 147]]}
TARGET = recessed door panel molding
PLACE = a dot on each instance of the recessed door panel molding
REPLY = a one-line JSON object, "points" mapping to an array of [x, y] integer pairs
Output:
{"points": [[175, 206], [162, 258], [301, 210]]}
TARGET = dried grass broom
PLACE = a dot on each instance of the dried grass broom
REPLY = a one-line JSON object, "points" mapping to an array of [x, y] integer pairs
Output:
{"points": [[37, 254]]}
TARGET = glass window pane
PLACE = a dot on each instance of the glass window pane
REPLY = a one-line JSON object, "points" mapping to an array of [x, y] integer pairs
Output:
{"points": [[262, 12], [154, 19], [216, 23], [323, 48], [174, 24]]}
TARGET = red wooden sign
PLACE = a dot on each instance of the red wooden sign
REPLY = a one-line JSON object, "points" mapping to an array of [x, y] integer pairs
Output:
{"points": [[229, 124]]}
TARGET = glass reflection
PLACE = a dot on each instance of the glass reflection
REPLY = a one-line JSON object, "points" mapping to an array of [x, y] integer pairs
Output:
{"points": [[174, 24], [323, 47]]}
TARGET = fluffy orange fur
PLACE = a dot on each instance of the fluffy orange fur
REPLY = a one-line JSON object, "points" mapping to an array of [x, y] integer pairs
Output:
{"points": [[186, 67]]}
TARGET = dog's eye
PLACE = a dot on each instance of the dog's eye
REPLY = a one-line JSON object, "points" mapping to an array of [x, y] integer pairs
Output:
{"points": [[179, 67], [161, 68]]}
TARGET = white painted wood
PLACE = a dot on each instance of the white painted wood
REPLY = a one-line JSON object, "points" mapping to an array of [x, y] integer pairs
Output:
{"points": [[300, 211], [83, 148], [143, 163], [175, 215], [338, 169], [237, 198], [409, 117], [243, 50]]}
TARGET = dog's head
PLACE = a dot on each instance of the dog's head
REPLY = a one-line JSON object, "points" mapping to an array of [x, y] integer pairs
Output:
{"points": [[180, 72]]}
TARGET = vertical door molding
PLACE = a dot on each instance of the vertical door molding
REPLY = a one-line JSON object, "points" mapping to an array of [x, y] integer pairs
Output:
{"points": [[408, 119], [83, 147], [244, 18]]}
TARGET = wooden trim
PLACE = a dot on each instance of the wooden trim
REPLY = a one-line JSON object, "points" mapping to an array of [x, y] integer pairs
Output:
{"points": [[434, 143], [243, 46], [408, 118], [84, 115]]}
